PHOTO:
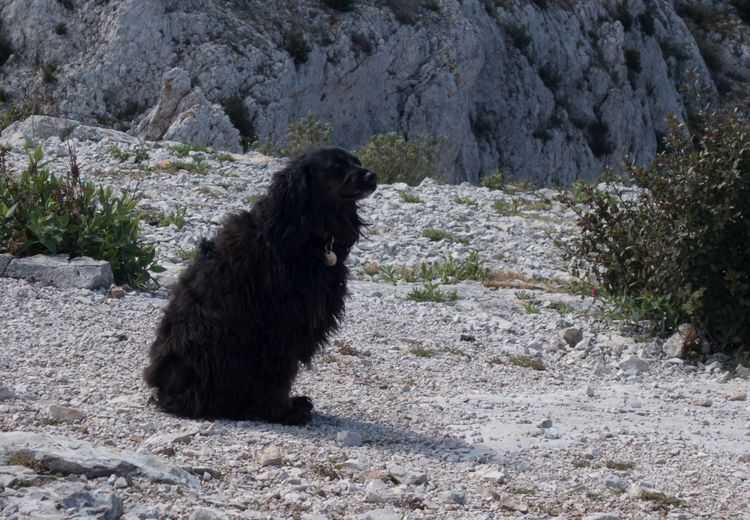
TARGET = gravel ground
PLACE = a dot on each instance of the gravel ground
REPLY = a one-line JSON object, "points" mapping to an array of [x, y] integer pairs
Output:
{"points": [[424, 410]]}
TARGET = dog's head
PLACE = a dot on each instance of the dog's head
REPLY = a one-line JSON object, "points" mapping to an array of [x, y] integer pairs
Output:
{"points": [[335, 175]]}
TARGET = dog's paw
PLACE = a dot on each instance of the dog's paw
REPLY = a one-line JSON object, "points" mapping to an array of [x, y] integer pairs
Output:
{"points": [[300, 411]]}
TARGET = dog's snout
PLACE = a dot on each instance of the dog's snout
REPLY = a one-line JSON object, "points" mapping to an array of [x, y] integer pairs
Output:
{"points": [[371, 178]]}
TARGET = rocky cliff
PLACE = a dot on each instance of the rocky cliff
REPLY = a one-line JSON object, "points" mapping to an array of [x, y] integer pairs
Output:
{"points": [[548, 90]]}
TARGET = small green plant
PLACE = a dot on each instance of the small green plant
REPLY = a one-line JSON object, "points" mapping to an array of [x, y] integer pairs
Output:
{"points": [[633, 60], [253, 198], [742, 7], [505, 208], [396, 159], [466, 201], [660, 500], [436, 235], [523, 491], [581, 463], [224, 157], [527, 362], [431, 293], [493, 181], [50, 421], [329, 469], [408, 197], [647, 21], [118, 153], [187, 255], [531, 307], [622, 13], [562, 307], [68, 4], [423, 352], [519, 34], [189, 166], [295, 44], [524, 295], [61, 29], [6, 49], [177, 217], [49, 71], [234, 108], [619, 466], [25, 458], [184, 149], [594, 496], [340, 5], [43, 213], [388, 272]]}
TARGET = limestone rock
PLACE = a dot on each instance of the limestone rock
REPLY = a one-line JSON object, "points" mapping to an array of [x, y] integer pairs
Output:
{"points": [[184, 114], [58, 270], [35, 129], [684, 338], [66, 456], [62, 500]]}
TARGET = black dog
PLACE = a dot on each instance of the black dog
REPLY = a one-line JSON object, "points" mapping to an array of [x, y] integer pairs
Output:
{"points": [[263, 297]]}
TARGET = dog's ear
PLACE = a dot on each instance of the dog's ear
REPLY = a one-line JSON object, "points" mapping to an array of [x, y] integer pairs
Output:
{"points": [[287, 225]]}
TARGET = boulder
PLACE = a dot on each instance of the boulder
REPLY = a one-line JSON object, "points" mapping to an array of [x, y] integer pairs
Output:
{"points": [[184, 114], [61, 271]]}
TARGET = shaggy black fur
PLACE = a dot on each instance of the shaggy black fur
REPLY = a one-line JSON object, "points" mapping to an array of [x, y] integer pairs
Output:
{"points": [[259, 299]]}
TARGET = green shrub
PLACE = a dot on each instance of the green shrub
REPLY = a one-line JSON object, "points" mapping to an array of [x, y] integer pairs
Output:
{"points": [[43, 213], [49, 70], [647, 22], [633, 60], [622, 13], [680, 250], [431, 293], [61, 29], [493, 181], [410, 198], [598, 139], [295, 44], [396, 159], [301, 134], [234, 108], [743, 9], [518, 34], [6, 49], [184, 149], [340, 5]]}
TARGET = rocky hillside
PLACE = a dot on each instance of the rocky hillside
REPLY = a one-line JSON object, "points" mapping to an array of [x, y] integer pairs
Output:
{"points": [[548, 90], [503, 398]]}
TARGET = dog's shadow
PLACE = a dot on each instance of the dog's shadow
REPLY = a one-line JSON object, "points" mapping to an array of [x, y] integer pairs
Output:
{"points": [[326, 428]]}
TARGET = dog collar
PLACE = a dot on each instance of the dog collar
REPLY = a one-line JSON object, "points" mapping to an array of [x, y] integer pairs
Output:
{"points": [[329, 257]]}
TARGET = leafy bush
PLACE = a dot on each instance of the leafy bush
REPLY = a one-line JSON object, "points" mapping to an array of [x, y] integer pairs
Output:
{"points": [[301, 134], [396, 159], [679, 250], [43, 213]]}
